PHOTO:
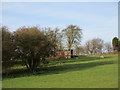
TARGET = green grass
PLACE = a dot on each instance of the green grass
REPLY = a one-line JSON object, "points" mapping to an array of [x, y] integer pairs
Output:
{"points": [[81, 72]]}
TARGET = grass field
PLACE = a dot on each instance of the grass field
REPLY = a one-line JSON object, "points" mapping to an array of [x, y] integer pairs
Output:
{"points": [[80, 72]]}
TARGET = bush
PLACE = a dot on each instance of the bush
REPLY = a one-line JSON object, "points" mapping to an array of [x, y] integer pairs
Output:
{"points": [[32, 46], [7, 50]]}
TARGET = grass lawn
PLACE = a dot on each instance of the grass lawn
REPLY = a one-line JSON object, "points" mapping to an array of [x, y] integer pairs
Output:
{"points": [[80, 72]]}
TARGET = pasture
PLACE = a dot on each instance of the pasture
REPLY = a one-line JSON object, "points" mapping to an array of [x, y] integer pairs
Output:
{"points": [[80, 72]]}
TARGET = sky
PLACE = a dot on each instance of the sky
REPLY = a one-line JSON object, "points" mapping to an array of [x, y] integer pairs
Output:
{"points": [[96, 19]]}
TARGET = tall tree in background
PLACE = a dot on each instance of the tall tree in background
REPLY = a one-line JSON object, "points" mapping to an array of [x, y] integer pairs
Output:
{"points": [[115, 43], [73, 34], [55, 36], [60, 46]]}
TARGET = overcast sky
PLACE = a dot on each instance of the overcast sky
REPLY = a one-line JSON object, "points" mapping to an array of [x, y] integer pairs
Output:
{"points": [[96, 19]]}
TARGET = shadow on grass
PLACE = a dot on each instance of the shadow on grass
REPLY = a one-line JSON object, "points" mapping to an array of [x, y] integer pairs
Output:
{"points": [[57, 69], [71, 67], [77, 59]]}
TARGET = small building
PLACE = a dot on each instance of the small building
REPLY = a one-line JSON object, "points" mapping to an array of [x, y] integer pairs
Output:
{"points": [[64, 54]]}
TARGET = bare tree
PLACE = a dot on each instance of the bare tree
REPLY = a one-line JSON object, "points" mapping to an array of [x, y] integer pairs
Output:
{"points": [[55, 36], [108, 47], [80, 50], [94, 46], [89, 47]]}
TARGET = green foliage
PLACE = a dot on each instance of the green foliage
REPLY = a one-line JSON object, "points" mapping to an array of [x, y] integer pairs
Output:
{"points": [[116, 43], [119, 45]]}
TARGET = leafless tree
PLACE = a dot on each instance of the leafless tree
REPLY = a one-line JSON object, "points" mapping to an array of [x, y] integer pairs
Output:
{"points": [[81, 50], [56, 36], [108, 47], [94, 46]]}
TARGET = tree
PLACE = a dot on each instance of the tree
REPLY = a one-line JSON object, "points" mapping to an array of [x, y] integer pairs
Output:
{"points": [[7, 50], [115, 43], [80, 50], [73, 34], [119, 45], [33, 46], [60, 46], [55, 36], [94, 46], [108, 47], [89, 47]]}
